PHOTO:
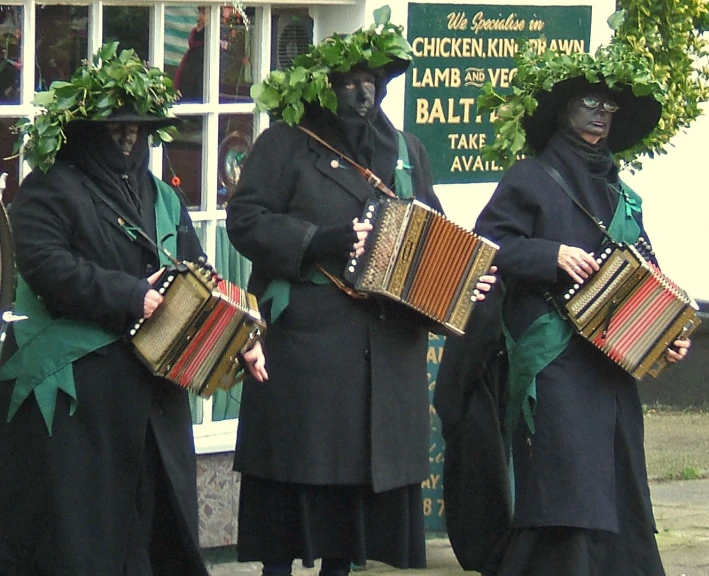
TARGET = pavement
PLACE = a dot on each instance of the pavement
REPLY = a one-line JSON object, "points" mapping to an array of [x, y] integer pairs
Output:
{"points": [[681, 513]]}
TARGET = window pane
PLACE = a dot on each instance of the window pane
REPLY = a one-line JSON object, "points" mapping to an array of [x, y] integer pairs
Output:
{"points": [[184, 48], [10, 51], [236, 42], [235, 139], [61, 42], [130, 26], [182, 161], [12, 167]]}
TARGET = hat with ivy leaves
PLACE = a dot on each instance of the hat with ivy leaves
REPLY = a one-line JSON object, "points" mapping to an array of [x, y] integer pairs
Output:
{"points": [[527, 117], [113, 87], [381, 48], [635, 118]]}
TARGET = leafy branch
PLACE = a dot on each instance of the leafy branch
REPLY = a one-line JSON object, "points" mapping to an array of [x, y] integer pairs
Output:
{"points": [[284, 93], [110, 82]]}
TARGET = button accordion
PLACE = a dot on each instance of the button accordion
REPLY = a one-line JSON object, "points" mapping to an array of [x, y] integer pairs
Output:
{"points": [[630, 310], [195, 338], [416, 256]]}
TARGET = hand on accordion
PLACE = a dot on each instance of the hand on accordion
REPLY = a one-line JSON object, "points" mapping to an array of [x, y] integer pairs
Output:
{"points": [[362, 229], [679, 350], [256, 361], [485, 283], [576, 262], [153, 298]]}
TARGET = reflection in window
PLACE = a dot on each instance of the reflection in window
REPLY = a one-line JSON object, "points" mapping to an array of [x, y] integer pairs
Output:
{"points": [[61, 42], [130, 26], [185, 33], [10, 51], [184, 48], [235, 138], [235, 68], [182, 161], [12, 167]]}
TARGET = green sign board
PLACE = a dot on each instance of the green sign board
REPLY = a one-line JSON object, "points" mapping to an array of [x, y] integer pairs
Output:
{"points": [[459, 47], [432, 487]]}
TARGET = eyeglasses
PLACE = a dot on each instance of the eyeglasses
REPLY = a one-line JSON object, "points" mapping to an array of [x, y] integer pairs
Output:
{"points": [[593, 103]]}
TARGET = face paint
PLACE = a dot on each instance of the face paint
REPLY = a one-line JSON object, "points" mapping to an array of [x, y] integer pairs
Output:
{"points": [[590, 116], [355, 91], [124, 134]]}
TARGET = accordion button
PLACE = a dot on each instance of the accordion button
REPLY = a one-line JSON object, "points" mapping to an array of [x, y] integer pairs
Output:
{"points": [[576, 286], [351, 268]]}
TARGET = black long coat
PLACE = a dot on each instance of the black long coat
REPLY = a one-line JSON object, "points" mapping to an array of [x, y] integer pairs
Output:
{"points": [[346, 401], [68, 500], [565, 471]]}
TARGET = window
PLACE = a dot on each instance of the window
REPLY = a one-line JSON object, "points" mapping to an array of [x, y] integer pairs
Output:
{"points": [[214, 51]]}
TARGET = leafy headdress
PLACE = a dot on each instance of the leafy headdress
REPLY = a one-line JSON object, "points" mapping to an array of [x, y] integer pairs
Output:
{"points": [[113, 87], [284, 94], [658, 51], [526, 118]]}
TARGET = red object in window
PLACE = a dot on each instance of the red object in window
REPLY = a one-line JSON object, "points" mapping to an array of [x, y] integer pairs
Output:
{"points": [[176, 181]]}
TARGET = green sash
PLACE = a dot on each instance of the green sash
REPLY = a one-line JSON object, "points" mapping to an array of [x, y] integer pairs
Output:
{"points": [[47, 347], [278, 290], [547, 337]]}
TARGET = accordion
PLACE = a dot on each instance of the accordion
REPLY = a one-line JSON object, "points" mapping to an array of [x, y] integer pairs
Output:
{"points": [[416, 256], [196, 336], [630, 310]]}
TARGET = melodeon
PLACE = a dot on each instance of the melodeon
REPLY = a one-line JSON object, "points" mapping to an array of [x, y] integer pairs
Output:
{"points": [[416, 256], [196, 336], [630, 310]]}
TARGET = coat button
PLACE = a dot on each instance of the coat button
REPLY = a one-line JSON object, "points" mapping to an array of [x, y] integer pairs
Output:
{"points": [[334, 164], [367, 354]]}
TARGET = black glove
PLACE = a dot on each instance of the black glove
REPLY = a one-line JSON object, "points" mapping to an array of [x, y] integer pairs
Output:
{"points": [[331, 241]]}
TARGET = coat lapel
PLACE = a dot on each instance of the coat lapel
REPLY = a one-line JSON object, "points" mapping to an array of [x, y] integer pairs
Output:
{"points": [[341, 172]]}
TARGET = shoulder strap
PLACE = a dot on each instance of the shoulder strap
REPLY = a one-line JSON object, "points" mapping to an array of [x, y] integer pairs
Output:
{"points": [[554, 173], [402, 175], [370, 176]]}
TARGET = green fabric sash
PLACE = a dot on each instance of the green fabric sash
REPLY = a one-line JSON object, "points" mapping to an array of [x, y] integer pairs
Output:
{"points": [[278, 290], [48, 347], [547, 337]]}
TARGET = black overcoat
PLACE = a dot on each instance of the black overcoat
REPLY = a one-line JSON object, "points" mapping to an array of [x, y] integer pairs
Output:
{"points": [[565, 472], [347, 400], [68, 500]]}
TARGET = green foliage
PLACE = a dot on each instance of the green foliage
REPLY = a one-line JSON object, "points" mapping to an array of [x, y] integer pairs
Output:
{"points": [[283, 94], [113, 80], [655, 49]]}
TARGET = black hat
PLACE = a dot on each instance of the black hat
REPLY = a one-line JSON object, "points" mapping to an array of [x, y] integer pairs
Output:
{"points": [[129, 115], [636, 117]]}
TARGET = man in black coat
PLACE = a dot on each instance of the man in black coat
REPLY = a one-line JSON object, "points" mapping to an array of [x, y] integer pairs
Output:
{"points": [[333, 448], [98, 472], [573, 421]]}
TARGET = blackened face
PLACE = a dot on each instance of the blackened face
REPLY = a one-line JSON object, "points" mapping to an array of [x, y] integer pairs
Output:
{"points": [[124, 134], [355, 91], [590, 115]]}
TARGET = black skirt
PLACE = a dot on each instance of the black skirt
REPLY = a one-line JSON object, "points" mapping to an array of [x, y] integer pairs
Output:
{"points": [[281, 522]]}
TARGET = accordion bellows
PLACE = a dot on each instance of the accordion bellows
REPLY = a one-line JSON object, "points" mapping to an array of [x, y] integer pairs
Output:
{"points": [[196, 336], [630, 310], [416, 256]]}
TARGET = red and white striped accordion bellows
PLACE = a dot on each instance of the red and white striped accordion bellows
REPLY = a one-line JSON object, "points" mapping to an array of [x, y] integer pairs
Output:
{"points": [[630, 310], [196, 336]]}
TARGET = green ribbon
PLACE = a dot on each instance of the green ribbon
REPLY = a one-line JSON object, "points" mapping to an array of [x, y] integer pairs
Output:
{"points": [[48, 347]]}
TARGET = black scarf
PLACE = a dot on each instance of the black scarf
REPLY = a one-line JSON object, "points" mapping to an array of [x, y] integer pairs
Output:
{"points": [[589, 170], [124, 179]]}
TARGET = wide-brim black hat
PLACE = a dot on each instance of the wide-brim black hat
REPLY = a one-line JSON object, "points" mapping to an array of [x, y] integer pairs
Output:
{"points": [[129, 115], [637, 116]]}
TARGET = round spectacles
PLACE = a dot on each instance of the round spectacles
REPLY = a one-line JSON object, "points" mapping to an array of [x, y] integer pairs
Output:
{"points": [[593, 103]]}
